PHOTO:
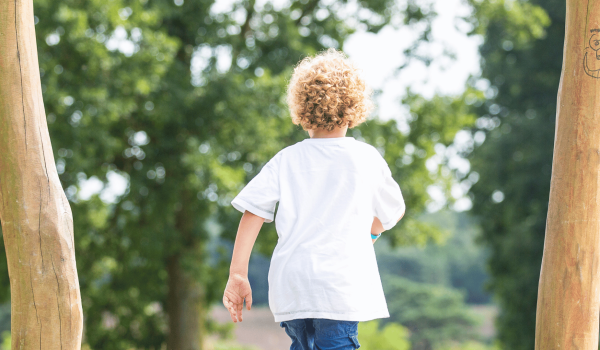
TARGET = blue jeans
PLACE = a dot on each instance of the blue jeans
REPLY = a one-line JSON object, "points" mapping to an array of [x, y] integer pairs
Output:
{"points": [[322, 334]]}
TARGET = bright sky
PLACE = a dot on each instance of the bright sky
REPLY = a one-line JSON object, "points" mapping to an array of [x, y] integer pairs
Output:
{"points": [[378, 55]]}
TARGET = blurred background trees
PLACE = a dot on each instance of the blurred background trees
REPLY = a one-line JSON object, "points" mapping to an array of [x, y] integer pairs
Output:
{"points": [[160, 111], [522, 59]]}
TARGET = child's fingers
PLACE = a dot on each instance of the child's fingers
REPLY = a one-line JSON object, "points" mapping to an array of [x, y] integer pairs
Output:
{"points": [[249, 301], [240, 307], [233, 313], [229, 305]]}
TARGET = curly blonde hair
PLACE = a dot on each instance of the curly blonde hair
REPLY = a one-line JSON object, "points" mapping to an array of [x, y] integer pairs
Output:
{"points": [[327, 92]]}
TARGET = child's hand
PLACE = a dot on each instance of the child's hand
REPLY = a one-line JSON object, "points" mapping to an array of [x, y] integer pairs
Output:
{"points": [[238, 288]]}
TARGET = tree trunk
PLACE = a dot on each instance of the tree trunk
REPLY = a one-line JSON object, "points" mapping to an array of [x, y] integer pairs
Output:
{"points": [[568, 296], [36, 217], [185, 308]]}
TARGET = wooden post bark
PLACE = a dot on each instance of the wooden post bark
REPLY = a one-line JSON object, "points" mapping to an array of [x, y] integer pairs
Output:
{"points": [[568, 296], [36, 218]]}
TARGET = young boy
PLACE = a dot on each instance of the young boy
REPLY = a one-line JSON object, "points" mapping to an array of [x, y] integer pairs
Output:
{"points": [[333, 191]]}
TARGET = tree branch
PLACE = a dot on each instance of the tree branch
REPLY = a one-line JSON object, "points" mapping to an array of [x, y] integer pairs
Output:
{"points": [[245, 29], [249, 14], [308, 9]]}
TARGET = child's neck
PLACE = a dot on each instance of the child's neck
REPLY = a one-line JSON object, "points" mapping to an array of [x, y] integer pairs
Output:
{"points": [[322, 133]]}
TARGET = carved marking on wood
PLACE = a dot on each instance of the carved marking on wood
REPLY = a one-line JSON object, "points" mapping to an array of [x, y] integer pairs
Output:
{"points": [[591, 65]]}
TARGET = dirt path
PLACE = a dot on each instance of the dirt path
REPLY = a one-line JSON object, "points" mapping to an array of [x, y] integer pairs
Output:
{"points": [[258, 328]]}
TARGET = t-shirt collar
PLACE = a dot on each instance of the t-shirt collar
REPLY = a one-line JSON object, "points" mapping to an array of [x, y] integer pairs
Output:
{"points": [[328, 139]]}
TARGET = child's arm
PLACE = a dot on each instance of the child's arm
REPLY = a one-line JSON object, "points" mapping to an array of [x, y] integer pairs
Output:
{"points": [[377, 227], [238, 286]]}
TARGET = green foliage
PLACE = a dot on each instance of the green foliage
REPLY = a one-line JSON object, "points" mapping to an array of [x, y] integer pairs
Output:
{"points": [[521, 22], [232, 345], [433, 125], [392, 337], [434, 314], [5, 316], [6, 341], [522, 54], [222, 330], [471, 345], [457, 263]]}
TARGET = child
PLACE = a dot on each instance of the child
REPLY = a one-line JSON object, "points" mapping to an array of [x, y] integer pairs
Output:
{"points": [[333, 191]]}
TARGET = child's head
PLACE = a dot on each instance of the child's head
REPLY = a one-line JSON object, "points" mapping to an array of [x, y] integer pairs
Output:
{"points": [[327, 92]]}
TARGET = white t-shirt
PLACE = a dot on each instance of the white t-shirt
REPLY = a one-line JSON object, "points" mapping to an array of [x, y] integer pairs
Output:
{"points": [[329, 190]]}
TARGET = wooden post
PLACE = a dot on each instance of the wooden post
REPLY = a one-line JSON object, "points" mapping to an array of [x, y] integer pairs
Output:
{"points": [[568, 295], [36, 218]]}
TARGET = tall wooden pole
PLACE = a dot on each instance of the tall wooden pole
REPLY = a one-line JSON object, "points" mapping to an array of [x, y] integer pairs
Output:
{"points": [[568, 296], [36, 218]]}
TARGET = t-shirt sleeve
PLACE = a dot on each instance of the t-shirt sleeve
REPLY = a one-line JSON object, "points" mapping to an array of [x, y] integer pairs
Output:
{"points": [[261, 194], [388, 202]]}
